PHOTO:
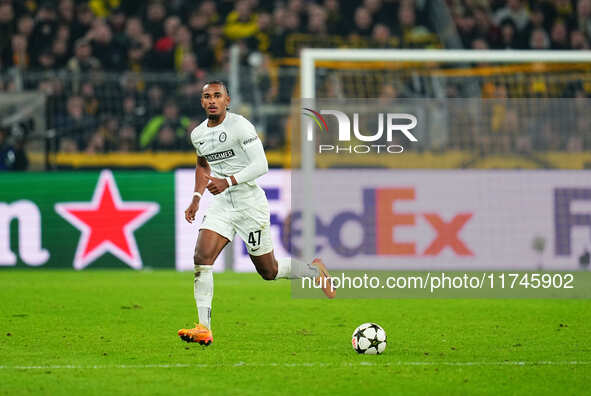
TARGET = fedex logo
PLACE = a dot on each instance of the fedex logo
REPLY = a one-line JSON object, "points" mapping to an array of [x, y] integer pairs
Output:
{"points": [[564, 218], [380, 222]]}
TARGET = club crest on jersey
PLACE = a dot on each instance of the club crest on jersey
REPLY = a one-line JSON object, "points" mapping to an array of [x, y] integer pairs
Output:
{"points": [[223, 137], [220, 155]]}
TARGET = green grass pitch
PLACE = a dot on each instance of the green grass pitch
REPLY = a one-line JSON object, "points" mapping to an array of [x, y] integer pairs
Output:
{"points": [[114, 332]]}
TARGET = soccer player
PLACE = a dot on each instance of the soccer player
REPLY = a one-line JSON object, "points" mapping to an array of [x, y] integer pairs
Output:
{"points": [[230, 157]]}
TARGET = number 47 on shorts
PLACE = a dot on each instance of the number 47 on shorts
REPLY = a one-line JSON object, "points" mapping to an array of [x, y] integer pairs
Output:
{"points": [[254, 240]]}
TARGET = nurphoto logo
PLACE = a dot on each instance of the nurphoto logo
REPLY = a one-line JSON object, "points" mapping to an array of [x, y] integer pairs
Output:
{"points": [[388, 123]]}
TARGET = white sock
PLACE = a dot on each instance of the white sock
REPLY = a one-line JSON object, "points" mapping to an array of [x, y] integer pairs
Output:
{"points": [[283, 268], [289, 268], [204, 293]]}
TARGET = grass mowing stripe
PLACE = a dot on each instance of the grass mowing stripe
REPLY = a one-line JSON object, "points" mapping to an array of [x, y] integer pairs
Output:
{"points": [[243, 364]]}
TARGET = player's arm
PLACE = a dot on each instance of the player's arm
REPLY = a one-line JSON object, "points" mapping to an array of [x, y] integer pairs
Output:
{"points": [[257, 162], [202, 171], [257, 165]]}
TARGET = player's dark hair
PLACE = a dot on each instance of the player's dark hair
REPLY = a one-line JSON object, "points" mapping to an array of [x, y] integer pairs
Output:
{"points": [[217, 82]]}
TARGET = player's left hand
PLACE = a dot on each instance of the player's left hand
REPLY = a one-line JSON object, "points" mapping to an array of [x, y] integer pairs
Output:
{"points": [[216, 185]]}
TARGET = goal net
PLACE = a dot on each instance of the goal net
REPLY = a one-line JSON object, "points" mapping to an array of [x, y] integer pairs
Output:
{"points": [[408, 158]]}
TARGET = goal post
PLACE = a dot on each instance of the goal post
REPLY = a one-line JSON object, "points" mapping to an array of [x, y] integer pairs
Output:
{"points": [[311, 58]]}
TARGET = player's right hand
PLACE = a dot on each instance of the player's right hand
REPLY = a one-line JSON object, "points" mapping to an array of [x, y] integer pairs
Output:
{"points": [[191, 210]]}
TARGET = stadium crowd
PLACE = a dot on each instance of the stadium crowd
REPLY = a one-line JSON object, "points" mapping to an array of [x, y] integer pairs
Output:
{"points": [[191, 39]]}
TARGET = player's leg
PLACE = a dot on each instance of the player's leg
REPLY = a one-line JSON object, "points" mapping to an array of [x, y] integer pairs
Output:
{"points": [[215, 233], [260, 248], [209, 246], [271, 268], [254, 228]]}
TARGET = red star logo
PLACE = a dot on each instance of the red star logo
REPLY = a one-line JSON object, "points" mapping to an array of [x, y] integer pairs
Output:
{"points": [[107, 224]]}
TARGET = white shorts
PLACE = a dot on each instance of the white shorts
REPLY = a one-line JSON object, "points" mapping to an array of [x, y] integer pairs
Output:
{"points": [[252, 224]]}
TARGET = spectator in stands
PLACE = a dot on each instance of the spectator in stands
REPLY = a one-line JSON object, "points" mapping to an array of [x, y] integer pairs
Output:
{"points": [[7, 27], [537, 20], [485, 28], [466, 26], [12, 157], [96, 144], [362, 23], [373, 6], [261, 41], [516, 12], [480, 44], [190, 82], [578, 41], [111, 55], [63, 33], [334, 17], [155, 15], [83, 61], [381, 37], [17, 53], [288, 23], [45, 28], [139, 44], [382, 11], [241, 23], [127, 139], [167, 131], [191, 75], [165, 45], [25, 26], [105, 138], [559, 36], [75, 127], [317, 21], [65, 12], [117, 20], [539, 39], [183, 45], [133, 115], [60, 51], [45, 61], [410, 32], [296, 6], [508, 39], [91, 103], [219, 46], [504, 123], [209, 9], [136, 56], [581, 20], [83, 22], [155, 99], [134, 29], [563, 9], [199, 26]]}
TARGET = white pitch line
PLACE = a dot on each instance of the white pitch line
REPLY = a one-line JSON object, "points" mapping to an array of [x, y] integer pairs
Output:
{"points": [[318, 364]]}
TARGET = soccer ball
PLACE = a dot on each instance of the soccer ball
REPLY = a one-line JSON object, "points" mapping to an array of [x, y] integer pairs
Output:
{"points": [[369, 339]]}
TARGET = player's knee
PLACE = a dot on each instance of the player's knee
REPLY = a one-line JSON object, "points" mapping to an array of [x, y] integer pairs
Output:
{"points": [[202, 259]]}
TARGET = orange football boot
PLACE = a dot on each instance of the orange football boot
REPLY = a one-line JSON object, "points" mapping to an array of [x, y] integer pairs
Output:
{"points": [[199, 333], [324, 279]]}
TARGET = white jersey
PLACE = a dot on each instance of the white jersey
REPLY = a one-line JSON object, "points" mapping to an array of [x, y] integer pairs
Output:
{"points": [[224, 148]]}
